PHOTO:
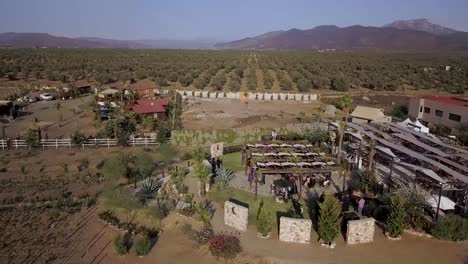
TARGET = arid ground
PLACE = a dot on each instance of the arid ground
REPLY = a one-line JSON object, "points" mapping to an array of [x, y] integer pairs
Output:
{"points": [[48, 235]]}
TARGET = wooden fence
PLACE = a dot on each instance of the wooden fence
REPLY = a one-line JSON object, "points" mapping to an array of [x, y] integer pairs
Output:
{"points": [[67, 143]]}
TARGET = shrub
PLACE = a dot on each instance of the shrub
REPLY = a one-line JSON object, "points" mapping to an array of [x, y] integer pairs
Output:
{"points": [[329, 220], [223, 178], [264, 220], [78, 138], [109, 217], [397, 216], [203, 210], [149, 186], [203, 236], [144, 231], [415, 206], [225, 245], [119, 246], [142, 246], [452, 227]]}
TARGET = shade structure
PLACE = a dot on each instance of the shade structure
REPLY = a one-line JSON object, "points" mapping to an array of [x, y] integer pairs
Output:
{"points": [[420, 127], [445, 202], [405, 123]]}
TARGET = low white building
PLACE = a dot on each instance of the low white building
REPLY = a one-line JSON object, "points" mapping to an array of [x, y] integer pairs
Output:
{"points": [[364, 114]]}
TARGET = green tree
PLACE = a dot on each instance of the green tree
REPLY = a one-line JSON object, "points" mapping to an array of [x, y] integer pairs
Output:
{"points": [[148, 123], [371, 165], [58, 107], [341, 131], [78, 138], [397, 217], [316, 134], [304, 85], [198, 155], [264, 220], [202, 173], [346, 102], [32, 138], [340, 84], [329, 221]]}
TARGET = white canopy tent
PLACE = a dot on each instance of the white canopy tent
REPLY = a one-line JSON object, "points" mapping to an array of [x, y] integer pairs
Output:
{"points": [[405, 123], [416, 125], [445, 202]]}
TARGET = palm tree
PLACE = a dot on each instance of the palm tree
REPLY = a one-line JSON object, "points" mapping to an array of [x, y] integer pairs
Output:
{"points": [[203, 173], [198, 155], [346, 102], [58, 106], [371, 155], [341, 132], [148, 123]]}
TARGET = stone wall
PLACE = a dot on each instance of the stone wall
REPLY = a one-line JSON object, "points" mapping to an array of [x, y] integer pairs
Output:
{"points": [[236, 216], [295, 230], [360, 231]]}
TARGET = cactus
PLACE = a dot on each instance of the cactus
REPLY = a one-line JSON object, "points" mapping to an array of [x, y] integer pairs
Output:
{"points": [[223, 178], [149, 186]]}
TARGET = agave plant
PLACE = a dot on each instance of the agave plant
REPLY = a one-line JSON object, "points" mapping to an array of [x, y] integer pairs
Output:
{"points": [[223, 178], [149, 186]]}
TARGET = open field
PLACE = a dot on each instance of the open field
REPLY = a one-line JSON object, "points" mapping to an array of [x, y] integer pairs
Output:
{"points": [[224, 114], [76, 114]]}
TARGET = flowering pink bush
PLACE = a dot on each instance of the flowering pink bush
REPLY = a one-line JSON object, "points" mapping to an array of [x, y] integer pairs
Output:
{"points": [[225, 245]]}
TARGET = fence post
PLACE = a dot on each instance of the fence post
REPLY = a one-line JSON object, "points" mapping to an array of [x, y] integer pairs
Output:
{"points": [[108, 142], [69, 143], [56, 143], [146, 142], [94, 142], [16, 143]]}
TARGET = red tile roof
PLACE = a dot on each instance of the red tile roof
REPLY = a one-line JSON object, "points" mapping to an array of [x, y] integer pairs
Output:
{"points": [[148, 106], [448, 100]]}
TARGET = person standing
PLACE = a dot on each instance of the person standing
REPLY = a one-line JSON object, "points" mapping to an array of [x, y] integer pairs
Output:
{"points": [[361, 204]]}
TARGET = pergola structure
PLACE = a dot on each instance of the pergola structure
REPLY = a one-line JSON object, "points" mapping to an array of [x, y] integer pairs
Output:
{"points": [[297, 160], [294, 172]]}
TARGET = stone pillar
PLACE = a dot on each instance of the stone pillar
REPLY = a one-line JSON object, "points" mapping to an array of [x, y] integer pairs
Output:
{"points": [[295, 230], [360, 231], [236, 216]]}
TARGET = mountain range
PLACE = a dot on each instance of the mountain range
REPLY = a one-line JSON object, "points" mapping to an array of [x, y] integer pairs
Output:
{"points": [[44, 40], [408, 35]]}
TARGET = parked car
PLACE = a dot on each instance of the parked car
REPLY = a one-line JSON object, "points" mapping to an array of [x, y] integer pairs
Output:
{"points": [[47, 97], [27, 99]]}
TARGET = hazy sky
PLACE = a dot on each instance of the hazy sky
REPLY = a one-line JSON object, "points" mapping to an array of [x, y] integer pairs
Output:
{"points": [[214, 19]]}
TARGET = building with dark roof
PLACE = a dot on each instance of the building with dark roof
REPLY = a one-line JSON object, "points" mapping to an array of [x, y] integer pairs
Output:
{"points": [[151, 107], [440, 110]]}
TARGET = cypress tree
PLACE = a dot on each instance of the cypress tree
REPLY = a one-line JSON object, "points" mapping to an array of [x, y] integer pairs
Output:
{"points": [[329, 219], [397, 216]]}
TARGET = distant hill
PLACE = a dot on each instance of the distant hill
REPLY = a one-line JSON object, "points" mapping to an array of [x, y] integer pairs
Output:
{"points": [[36, 40], [421, 24], [356, 37]]}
